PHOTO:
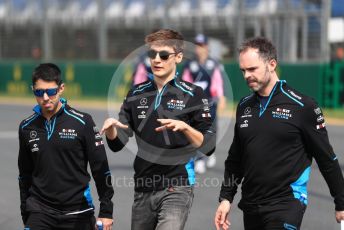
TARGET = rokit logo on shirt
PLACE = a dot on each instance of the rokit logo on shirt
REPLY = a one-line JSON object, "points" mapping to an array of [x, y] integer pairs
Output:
{"points": [[176, 104], [68, 134], [282, 114]]}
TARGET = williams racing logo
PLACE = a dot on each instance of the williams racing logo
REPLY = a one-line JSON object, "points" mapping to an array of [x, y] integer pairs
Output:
{"points": [[176, 104], [282, 114], [68, 134]]}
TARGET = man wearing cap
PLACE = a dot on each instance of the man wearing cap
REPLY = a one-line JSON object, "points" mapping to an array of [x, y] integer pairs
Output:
{"points": [[207, 73]]}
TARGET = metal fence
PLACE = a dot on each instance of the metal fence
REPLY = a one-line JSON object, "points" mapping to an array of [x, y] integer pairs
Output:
{"points": [[110, 29]]}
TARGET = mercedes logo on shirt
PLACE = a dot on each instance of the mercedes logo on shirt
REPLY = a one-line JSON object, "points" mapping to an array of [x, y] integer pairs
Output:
{"points": [[33, 134], [247, 110], [143, 101]]}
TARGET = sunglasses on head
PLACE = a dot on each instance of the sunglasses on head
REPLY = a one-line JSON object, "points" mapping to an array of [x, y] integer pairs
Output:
{"points": [[50, 92], [164, 55]]}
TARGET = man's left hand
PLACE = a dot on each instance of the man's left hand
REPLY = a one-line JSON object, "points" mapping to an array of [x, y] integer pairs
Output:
{"points": [[339, 216], [107, 223]]}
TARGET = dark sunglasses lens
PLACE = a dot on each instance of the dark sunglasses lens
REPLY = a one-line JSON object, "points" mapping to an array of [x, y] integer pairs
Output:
{"points": [[164, 55], [151, 54], [51, 92], [38, 92]]}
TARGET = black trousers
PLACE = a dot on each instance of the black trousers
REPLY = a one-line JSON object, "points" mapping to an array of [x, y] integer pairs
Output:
{"points": [[279, 215], [47, 221]]}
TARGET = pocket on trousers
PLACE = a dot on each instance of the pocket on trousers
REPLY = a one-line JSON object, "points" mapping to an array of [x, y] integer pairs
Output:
{"points": [[138, 196], [186, 189]]}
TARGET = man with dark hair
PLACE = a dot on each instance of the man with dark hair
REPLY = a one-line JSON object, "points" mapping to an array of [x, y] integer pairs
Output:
{"points": [[56, 144], [171, 122], [278, 132], [207, 73]]}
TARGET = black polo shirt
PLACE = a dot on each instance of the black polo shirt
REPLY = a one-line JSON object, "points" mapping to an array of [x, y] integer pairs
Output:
{"points": [[273, 148], [164, 158], [53, 160]]}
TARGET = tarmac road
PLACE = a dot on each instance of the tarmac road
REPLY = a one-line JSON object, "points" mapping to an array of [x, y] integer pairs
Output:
{"points": [[319, 214]]}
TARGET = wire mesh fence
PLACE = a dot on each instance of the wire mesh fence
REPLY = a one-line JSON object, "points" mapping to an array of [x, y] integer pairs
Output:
{"points": [[110, 29]]}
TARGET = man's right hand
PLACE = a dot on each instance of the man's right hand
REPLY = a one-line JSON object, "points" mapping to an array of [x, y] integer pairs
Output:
{"points": [[221, 220], [109, 128]]}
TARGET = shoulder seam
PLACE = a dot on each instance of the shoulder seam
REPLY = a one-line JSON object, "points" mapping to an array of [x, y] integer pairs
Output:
{"points": [[142, 87], [74, 116], [290, 96], [184, 87], [27, 121], [245, 99]]}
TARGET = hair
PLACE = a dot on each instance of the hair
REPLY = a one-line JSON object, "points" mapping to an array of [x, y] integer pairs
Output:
{"points": [[166, 37], [47, 72], [266, 49]]}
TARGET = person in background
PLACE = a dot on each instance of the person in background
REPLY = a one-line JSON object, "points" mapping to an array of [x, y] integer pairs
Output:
{"points": [[207, 73], [142, 69]]}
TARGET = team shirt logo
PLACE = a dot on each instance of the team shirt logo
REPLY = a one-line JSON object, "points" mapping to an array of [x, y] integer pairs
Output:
{"points": [[143, 101], [35, 148], [68, 134], [98, 143], [247, 112], [33, 136], [206, 115], [245, 124], [186, 86], [317, 111], [294, 94], [320, 118], [76, 113], [321, 126], [282, 114], [176, 104], [142, 115]]}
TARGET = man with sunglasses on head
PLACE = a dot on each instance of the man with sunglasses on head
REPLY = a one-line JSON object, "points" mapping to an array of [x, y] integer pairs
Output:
{"points": [[56, 144], [170, 121], [207, 73]]}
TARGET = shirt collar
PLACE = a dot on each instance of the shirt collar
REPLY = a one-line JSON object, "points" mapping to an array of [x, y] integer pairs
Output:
{"points": [[37, 109]]}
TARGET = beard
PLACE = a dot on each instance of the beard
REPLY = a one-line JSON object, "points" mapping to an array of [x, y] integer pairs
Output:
{"points": [[260, 84]]}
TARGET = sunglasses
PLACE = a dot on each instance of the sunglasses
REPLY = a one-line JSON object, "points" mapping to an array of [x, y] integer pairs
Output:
{"points": [[164, 55], [49, 92]]}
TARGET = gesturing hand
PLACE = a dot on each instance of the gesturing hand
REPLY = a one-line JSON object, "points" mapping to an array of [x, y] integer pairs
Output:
{"points": [[109, 128], [175, 125]]}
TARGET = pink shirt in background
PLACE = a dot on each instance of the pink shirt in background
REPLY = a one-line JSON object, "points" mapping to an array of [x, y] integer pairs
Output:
{"points": [[216, 85]]}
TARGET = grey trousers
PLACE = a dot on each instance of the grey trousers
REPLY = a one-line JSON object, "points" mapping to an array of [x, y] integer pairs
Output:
{"points": [[167, 209]]}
